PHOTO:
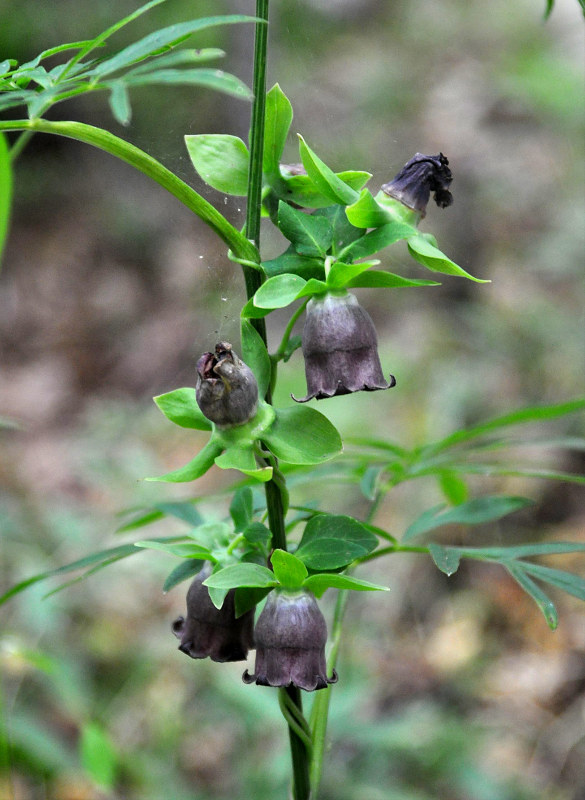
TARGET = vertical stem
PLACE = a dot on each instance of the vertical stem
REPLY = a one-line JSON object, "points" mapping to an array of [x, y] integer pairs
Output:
{"points": [[253, 279]]}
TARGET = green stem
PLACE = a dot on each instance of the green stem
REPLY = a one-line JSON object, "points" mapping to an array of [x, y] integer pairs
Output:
{"points": [[279, 354], [104, 140]]}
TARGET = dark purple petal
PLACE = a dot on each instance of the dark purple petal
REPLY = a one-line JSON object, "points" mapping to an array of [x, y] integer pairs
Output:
{"points": [[419, 177], [226, 391]]}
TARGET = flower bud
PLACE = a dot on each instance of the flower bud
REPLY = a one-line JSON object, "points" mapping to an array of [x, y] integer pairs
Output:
{"points": [[226, 390], [211, 631], [340, 348], [418, 178], [290, 640]]}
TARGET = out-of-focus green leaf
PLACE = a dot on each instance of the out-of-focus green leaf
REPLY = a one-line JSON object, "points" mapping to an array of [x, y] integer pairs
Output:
{"points": [[177, 58], [190, 550], [288, 569], [214, 79], [5, 191], [98, 755], [242, 508], [541, 599], [301, 435], [257, 533], [241, 575], [221, 160], [180, 406], [446, 558], [183, 571], [453, 487], [279, 114], [120, 103], [567, 581]]}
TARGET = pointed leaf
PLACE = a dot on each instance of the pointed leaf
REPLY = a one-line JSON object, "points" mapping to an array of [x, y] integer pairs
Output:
{"points": [[195, 468], [279, 291], [318, 584], [446, 558], [255, 355], [292, 262], [301, 190], [324, 554], [432, 258], [241, 575], [288, 569], [243, 459], [567, 581], [180, 406], [182, 572], [278, 119], [221, 160], [324, 178], [120, 103], [248, 598], [301, 435], [375, 279], [377, 240], [365, 212], [190, 550], [242, 508], [310, 235], [541, 599]]}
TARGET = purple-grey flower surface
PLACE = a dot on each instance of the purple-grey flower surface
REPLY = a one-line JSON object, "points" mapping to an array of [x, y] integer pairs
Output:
{"points": [[340, 348], [226, 390], [211, 631], [420, 176], [290, 641]]}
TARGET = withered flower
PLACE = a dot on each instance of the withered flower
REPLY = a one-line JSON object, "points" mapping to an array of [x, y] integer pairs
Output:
{"points": [[290, 640], [213, 632], [340, 348], [226, 390], [419, 177]]}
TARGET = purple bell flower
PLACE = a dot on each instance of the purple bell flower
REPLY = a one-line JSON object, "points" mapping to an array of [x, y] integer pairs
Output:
{"points": [[211, 631], [419, 177], [290, 640], [226, 390], [340, 348]]}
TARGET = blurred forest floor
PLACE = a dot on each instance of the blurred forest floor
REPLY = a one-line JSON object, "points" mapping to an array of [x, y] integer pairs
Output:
{"points": [[450, 689]]}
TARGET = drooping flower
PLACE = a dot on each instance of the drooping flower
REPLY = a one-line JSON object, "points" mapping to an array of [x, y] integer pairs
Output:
{"points": [[211, 631], [226, 390], [340, 348], [419, 177], [290, 641]]}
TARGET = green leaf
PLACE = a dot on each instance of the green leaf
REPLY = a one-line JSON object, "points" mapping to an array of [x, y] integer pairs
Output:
{"points": [[365, 212], [183, 571], [301, 435], [190, 550], [180, 406], [288, 569], [162, 39], [310, 235], [473, 512], [432, 258], [344, 233], [541, 599], [375, 279], [257, 533], [279, 291], [242, 458], [377, 240], [241, 575], [98, 755], [278, 119], [572, 584], [221, 160], [446, 558], [522, 550], [212, 535], [242, 508], [5, 191], [120, 103], [453, 487], [325, 179], [214, 79], [324, 554], [184, 511], [255, 355], [195, 468], [177, 58], [301, 190], [370, 481], [318, 584], [248, 598], [338, 526], [292, 262]]}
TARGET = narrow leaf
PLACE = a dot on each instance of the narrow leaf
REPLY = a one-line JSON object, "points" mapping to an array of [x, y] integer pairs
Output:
{"points": [[572, 584], [195, 468], [182, 572], [318, 584], [377, 240], [432, 258], [541, 599], [278, 119], [242, 508], [324, 178], [255, 355], [190, 550], [378, 279], [120, 103], [5, 191], [98, 755]]}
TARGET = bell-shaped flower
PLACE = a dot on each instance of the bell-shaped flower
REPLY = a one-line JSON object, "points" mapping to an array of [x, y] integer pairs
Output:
{"points": [[419, 177], [340, 348], [211, 631], [290, 641], [226, 390]]}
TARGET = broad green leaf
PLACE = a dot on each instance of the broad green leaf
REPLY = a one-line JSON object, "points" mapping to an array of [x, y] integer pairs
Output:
{"points": [[107, 556], [446, 558], [5, 191], [160, 40], [324, 554], [380, 279], [211, 535], [257, 533], [432, 258], [278, 119], [292, 262], [312, 287], [365, 212], [541, 599], [183, 571], [377, 240], [98, 755], [288, 569], [180, 406], [318, 584], [120, 103], [572, 584], [341, 273], [241, 575], [255, 355], [310, 235], [301, 190], [344, 233], [221, 160], [301, 435], [242, 508], [279, 291], [243, 459], [195, 468], [248, 598], [338, 526], [190, 550], [324, 178], [523, 415], [473, 512]]}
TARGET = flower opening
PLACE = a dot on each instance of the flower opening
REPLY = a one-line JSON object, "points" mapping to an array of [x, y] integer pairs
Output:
{"points": [[419, 177]]}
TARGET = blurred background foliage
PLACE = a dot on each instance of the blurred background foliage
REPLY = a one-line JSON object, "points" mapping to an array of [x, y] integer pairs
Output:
{"points": [[451, 689]]}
